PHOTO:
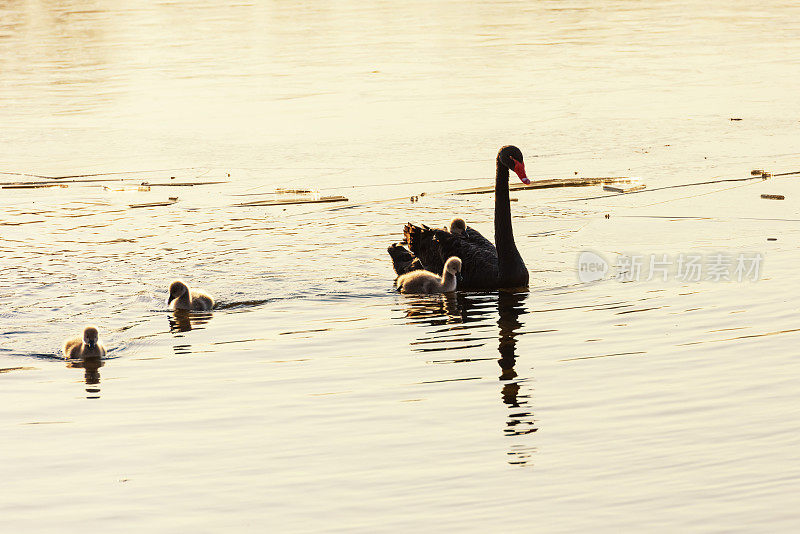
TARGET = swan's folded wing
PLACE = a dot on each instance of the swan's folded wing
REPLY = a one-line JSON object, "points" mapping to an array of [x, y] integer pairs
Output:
{"points": [[403, 261], [478, 256], [477, 239], [479, 266], [426, 244]]}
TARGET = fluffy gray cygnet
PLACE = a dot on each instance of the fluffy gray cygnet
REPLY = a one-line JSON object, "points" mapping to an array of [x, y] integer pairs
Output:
{"points": [[86, 347], [458, 226], [427, 282], [181, 298]]}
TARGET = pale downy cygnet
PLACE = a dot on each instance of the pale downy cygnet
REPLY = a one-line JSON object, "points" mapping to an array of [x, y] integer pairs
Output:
{"points": [[86, 347], [428, 282], [181, 298], [458, 226]]}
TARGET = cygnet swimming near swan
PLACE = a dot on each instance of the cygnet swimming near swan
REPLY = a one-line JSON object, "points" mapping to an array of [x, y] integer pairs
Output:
{"points": [[484, 265], [181, 298], [427, 282], [86, 347]]}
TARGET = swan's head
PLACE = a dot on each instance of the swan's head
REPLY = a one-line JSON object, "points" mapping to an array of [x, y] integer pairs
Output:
{"points": [[511, 157], [453, 265], [176, 290], [458, 226], [90, 336]]}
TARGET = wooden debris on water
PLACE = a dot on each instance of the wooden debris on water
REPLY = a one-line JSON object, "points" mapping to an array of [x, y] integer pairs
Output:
{"points": [[32, 186], [121, 182], [284, 191], [286, 202], [622, 189], [182, 184], [773, 197], [546, 184], [155, 204], [761, 172]]}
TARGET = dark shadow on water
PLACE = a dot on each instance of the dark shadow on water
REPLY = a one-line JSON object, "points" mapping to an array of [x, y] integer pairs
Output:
{"points": [[91, 374], [437, 310], [520, 421], [242, 304], [455, 322], [184, 321], [181, 321]]}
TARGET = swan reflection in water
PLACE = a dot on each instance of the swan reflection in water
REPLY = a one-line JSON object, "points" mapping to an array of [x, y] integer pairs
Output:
{"points": [[520, 420], [183, 321], [455, 318], [437, 309], [91, 374]]}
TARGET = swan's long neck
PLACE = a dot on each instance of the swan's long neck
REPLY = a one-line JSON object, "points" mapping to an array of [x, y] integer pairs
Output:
{"points": [[449, 281], [509, 261]]}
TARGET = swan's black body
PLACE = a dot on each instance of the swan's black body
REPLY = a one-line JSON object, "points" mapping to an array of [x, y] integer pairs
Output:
{"points": [[484, 266], [404, 261]]}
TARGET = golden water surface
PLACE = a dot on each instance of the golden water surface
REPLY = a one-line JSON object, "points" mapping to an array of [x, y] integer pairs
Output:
{"points": [[314, 398]]}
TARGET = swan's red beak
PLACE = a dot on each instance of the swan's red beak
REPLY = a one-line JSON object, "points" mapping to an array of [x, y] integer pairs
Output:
{"points": [[519, 168]]}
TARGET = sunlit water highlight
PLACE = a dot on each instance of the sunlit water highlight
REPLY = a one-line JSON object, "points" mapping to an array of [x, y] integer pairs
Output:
{"points": [[316, 398]]}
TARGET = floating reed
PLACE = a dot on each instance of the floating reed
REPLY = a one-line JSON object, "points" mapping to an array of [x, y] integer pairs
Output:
{"points": [[154, 204], [546, 184], [622, 189], [31, 186], [286, 202], [63, 183]]}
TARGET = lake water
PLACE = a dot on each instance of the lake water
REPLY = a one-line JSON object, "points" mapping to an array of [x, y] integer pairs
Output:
{"points": [[315, 398]]}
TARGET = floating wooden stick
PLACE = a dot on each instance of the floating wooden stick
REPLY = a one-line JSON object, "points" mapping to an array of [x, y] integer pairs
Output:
{"points": [[284, 191], [773, 197], [117, 173], [39, 183], [335, 198], [184, 184], [545, 184], [154, 204], [622, 189], [662, 188], [32, 186]]}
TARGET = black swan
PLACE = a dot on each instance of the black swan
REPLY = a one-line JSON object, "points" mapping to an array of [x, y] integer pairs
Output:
{"points": [[84, 347], [420, 281], [483, 265], [181, 298]]}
